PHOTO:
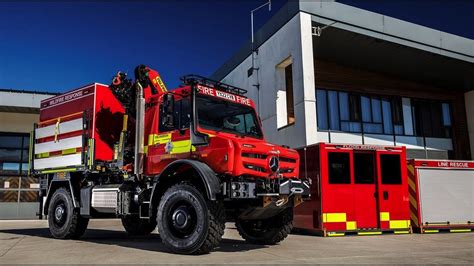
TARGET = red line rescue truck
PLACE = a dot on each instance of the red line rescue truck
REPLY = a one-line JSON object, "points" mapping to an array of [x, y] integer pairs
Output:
{"points": [[355, 189], [441, 195], [185, 160]]}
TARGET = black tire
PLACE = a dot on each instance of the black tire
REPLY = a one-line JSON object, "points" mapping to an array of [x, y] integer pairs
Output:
{"points": [[136, 226], [64, 220], [266, 232], [187, 222]]}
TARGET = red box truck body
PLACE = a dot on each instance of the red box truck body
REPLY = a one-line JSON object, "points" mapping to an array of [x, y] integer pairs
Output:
{"points": [[441, 195], [62, 125], [356, 189]]}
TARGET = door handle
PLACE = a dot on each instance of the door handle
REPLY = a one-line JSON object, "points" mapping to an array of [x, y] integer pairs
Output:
{"points": [[385, 195]]}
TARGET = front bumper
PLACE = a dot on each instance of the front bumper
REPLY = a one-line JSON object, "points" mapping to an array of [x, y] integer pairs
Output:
{"points": [[274, 196], [269, 188], [295, 187]]}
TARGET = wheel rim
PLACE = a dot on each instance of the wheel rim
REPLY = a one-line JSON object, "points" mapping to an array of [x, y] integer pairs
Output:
{"points": [[60, 214], [182, 219]]}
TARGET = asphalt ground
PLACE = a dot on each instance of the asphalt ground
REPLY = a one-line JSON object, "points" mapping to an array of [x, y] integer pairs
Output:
{"points": [[105, 242]]}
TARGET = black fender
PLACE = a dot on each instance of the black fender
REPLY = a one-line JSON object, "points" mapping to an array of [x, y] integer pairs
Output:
{"points": [[53, 186], [208, 177]]}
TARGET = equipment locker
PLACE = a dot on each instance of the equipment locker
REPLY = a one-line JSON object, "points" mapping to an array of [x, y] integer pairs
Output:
{"points": [[356, 189], [441, 195]]}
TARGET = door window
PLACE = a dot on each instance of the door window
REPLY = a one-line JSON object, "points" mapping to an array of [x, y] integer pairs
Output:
{"points": [[390, 169], [364, 168], [339, 168]]}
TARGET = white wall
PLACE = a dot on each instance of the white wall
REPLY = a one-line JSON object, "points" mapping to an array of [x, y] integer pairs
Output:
{"points": [[469, 98], [293, 41]]}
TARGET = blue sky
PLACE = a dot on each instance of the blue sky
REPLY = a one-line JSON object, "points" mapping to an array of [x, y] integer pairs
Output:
{"points": [[60, 45]]}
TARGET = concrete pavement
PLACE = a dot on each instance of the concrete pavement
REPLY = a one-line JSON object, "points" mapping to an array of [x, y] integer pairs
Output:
{"points": [[106, 242]]}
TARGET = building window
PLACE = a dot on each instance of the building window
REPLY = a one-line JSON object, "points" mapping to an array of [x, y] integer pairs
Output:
{"points": [[351, 112], [432, 119], [15, 186], [285, 95], [369, 114], [290, 105]]}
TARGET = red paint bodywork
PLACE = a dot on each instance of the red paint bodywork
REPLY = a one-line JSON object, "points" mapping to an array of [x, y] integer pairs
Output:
{"points": [[96, 102], [223, 154], [361, 203]]}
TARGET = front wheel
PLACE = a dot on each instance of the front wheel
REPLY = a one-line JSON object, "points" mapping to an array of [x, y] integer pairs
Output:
{"points": [[64, 220], [266, 232], [187, 222]]}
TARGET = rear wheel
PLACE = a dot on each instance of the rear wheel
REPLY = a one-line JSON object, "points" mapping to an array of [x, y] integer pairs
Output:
{"points": [[136, 226], [187, 222], [269, 231], [64, 220]]}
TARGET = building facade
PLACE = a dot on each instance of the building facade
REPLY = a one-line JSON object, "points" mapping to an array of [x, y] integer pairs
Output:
{"points": [[329, 72], [19, 110]]}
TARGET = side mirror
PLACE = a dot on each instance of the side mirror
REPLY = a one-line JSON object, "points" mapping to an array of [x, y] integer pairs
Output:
{"points": [[168, 111]]}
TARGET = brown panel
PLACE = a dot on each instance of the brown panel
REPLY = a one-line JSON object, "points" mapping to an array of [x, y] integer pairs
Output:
{"points": [[27, 181], [329, 75], [28, 196], [13, 180], [8, 196]]}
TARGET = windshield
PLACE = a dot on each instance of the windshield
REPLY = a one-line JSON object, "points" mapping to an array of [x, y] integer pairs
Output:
{"points": [[222, 115]]}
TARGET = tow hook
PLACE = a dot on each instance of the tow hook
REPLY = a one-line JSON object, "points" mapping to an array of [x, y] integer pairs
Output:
{"points": [[282, 201]]}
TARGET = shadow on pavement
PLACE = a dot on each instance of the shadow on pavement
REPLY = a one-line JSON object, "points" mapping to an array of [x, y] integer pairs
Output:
{"points": [[111, 237]]}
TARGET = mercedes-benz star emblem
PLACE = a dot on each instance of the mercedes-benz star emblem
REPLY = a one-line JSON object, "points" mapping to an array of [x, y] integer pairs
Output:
{"points": [[274, 164]]}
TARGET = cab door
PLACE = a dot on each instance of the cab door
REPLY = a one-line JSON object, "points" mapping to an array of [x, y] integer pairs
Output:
{"points": [[337, 189], [393, 190], [170, 143], [365, 190]]}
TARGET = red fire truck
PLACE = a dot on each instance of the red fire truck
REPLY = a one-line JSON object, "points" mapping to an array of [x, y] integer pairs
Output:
{"points": [[186, 160], [356, 189]]}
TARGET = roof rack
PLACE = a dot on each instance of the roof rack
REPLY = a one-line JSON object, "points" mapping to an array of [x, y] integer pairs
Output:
{"points": [[190, 79]]}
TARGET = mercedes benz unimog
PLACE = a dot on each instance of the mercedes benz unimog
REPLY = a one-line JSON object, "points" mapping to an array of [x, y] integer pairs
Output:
{"points": [[186, 161]]}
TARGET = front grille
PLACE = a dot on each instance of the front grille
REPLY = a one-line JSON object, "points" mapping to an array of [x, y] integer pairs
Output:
{"points": [[254, 155], [287, 160], [286, 169], [254, 167]]}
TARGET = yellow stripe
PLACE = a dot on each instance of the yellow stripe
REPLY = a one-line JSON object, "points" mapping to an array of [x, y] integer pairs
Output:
{"points": [[411, 184], [384, 216], [430, 231], [182, 146], [413, 202], [411, 169], [334, 217], [58, 170], [414, 218], [335, 234], [158, 138], [459, 230], [42, 155], [396, 224], [125, 122], [401, 232], [30, 152], [351, 225], [368, 233], [68, 151]]}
